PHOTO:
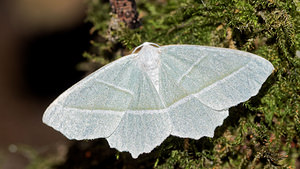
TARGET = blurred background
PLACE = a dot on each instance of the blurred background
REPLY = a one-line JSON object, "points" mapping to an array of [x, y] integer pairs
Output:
{"points": [[41, 43]]}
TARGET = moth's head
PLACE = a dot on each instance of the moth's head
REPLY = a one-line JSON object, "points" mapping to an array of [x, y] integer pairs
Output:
{"points": [[147, 54], [146, 46]]}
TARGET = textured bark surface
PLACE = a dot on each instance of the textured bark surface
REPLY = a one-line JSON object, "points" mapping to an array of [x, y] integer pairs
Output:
{"points": [[126, 12]]}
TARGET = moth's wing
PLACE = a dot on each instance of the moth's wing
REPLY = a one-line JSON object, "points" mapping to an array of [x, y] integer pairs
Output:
{"points": [[191, 118], [199, 84], [220, 78], [141, 131], [94, 106], [146, 124]]}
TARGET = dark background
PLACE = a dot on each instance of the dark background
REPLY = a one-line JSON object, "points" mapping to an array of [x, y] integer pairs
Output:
{"points": [[41, 43]]}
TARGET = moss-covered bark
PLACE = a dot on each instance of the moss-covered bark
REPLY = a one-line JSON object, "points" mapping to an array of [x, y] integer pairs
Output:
{"points": [[262, 132]]}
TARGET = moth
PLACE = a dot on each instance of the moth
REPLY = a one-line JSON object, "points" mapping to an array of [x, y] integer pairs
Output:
{"points": [[137, 101]]}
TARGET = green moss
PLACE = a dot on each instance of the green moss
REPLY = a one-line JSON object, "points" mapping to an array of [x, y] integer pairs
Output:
{"points": [[262, 132]]}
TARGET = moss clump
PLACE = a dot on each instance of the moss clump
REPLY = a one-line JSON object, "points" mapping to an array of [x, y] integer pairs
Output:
{"points": [[262, 132]]}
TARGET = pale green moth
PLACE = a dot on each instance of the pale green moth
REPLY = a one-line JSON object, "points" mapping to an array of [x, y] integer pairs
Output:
{"points": [[137, 101]]}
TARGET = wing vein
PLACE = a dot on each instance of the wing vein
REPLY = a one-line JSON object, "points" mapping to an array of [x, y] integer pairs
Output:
{"points": [[115, 87], [209, 86], [190, 69]]}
